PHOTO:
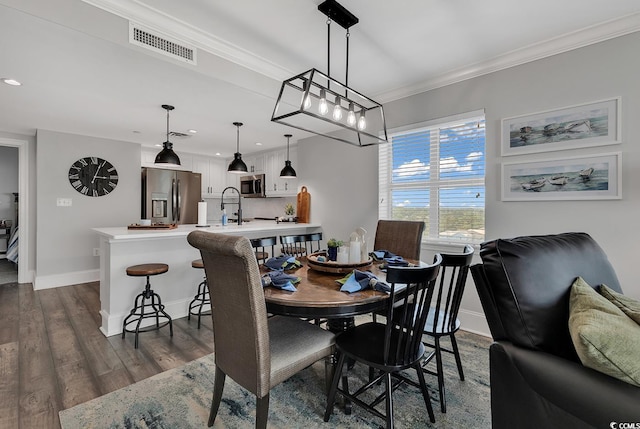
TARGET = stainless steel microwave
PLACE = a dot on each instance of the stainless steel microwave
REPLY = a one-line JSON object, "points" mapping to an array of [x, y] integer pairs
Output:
{"points": [[252, 186]]}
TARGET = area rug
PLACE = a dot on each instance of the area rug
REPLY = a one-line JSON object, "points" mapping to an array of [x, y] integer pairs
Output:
{"points": [[181, 397]]}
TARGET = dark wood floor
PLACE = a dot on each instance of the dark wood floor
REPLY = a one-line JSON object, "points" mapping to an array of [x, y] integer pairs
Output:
{"points": [[53, 356]]}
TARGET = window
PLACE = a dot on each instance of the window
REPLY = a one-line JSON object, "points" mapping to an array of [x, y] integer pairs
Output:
{"points": [[434, 172]]}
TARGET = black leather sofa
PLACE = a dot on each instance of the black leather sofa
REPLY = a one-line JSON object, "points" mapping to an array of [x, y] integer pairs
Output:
{"points": [[537, 380]]}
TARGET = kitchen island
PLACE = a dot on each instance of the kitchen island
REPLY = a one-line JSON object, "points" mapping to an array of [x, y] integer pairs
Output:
{"points": [[121, 247]]}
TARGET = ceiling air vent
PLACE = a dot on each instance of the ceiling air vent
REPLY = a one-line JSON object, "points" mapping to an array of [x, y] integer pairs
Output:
{"points": [[160, 43], [178, 134]]}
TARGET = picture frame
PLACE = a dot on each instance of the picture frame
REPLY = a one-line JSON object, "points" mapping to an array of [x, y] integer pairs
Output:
{"points": [[584, 125], [589, 177]]}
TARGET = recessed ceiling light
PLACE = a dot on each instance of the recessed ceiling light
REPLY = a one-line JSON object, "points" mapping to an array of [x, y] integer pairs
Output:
{"points": [[258, 144], [158, 145], [218, 154], [193, 131], [11, 82]]}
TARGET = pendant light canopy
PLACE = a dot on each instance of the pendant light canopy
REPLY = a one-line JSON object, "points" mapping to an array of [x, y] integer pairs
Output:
{"points": [[237, 165], [288, 172], [167, 155]]}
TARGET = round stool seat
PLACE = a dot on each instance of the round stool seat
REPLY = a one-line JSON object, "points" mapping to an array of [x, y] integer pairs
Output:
{"points": [[262, 255], [147, 269], [197, 263]]}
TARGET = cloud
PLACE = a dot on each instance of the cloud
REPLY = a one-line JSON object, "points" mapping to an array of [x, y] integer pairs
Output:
{"points": [[412, 168]]}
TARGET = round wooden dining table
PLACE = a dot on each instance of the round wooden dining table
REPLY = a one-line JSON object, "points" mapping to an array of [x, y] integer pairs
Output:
{"points": [[318, 295]]}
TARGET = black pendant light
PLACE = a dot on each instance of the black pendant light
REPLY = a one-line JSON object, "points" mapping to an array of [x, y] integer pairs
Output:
{"points": [[288, 172], [167, 155], [237, 165]]}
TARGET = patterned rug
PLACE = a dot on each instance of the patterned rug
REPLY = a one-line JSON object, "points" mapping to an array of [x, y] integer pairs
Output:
{"points": [[181, 397]]}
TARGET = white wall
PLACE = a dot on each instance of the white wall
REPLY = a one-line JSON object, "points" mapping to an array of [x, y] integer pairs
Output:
{"points": [[65, 240], [343, 180]]}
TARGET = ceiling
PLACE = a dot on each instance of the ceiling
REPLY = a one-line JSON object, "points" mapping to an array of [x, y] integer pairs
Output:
{"points": [[80, 74]]}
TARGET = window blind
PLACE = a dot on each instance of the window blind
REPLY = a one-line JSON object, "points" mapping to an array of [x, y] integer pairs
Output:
{"points": [[435, 172]]}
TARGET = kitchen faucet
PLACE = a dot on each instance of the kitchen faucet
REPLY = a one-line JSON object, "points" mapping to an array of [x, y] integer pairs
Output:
{"points": [[239, 203]]}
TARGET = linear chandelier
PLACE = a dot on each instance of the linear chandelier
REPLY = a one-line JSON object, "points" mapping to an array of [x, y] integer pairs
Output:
{"points": [[315, 102]]}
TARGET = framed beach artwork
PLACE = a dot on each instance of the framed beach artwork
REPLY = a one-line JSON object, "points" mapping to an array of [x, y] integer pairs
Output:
{"points": [[584, 125], [593, 177]]}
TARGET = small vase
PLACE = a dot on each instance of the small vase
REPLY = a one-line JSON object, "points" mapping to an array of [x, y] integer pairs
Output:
{"points": [[332, 253]]}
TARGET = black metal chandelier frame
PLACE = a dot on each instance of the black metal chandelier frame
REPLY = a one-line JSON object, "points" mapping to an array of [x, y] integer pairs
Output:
{"points": [[299, 94]]}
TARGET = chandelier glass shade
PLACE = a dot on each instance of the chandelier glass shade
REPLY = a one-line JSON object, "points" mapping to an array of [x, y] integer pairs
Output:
{"points": [[167, 155]]}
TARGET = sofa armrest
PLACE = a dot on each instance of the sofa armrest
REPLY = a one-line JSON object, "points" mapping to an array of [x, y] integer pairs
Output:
{"points": [[555, 390]]}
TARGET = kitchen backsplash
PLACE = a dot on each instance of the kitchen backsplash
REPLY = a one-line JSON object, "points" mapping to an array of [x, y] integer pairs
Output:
{"points": [[251, 207]]}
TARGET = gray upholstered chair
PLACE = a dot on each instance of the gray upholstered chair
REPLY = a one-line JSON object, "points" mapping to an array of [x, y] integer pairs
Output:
{"points": [[255, 351], [400, 237]]}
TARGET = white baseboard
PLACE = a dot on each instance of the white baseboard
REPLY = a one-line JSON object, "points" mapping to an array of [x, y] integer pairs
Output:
{"points": [[474, 322], [112, 323], [66, 279]]}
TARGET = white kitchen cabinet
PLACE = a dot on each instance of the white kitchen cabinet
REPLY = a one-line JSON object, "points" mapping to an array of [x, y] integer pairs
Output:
{"points": [[214, 175], [276, 186], [255, 163]]}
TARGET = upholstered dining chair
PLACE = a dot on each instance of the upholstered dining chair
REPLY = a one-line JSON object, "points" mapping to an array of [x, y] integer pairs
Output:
{"points": [[255, 351], [443, 315], [392, 347], [400, 237]]}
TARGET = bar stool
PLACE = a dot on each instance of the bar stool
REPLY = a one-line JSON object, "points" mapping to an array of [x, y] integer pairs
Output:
{"points": [[142, 308], [261, 244], [202, 296]]}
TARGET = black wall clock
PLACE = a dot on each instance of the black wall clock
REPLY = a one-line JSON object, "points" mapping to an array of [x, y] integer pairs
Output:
{"points": [[93, 176]]}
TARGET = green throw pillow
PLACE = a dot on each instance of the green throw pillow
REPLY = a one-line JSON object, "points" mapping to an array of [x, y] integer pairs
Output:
{"points": [[604, 337], [629, 306]]}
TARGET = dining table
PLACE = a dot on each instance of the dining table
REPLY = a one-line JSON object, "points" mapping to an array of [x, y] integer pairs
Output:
{"points": [[318, 296]]}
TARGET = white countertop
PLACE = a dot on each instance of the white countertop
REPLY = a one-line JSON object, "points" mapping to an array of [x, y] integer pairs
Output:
{"points": [[122, 233]]}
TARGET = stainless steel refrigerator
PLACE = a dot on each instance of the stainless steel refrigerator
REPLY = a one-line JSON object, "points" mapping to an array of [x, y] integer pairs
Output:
{"points": [[170, 196]]}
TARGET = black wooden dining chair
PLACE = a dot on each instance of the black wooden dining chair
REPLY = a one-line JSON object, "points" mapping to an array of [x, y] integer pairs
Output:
{"points": [[261, 246], [255, 351], [392, 347], [442, 320]]}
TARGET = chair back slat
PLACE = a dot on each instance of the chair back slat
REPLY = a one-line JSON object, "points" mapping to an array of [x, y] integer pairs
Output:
{"points": [[411, 294]]}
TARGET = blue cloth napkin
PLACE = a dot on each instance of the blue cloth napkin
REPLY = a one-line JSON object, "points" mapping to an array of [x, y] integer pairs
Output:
{"points": [[389, 259], [360, 280], [283, 263], [280, 280], [396, 261], [381, 254]]}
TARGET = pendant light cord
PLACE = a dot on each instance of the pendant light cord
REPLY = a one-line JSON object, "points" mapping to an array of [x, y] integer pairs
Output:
{"points": [[346, 78], [168, 125], [237, 138], [329, 52]]}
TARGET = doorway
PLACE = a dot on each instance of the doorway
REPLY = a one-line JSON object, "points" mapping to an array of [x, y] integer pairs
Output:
{"points": [[21, 219]]}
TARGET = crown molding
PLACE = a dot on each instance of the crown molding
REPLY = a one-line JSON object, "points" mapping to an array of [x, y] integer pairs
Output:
{"points": [[157, 20], [163, 23], [557, 45]]}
